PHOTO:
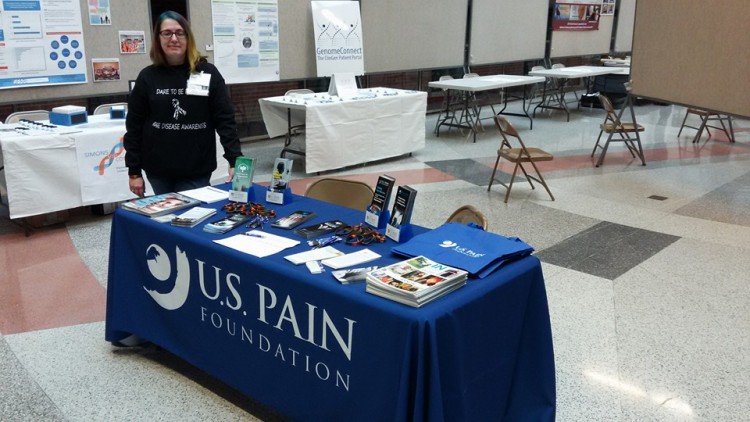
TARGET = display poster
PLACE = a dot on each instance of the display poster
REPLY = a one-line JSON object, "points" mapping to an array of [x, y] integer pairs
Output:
{"points": [[338, 37], [99, 12], [576, 15], [608, 7], [246, 40], [41, 43]]}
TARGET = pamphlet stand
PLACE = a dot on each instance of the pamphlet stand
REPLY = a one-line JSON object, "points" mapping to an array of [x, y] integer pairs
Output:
{"points": [[379, 221], [399, 234], [280, 198], [242, 196]]}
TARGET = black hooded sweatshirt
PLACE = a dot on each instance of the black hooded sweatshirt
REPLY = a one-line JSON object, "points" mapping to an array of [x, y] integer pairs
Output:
{"points": [[172, 134]]}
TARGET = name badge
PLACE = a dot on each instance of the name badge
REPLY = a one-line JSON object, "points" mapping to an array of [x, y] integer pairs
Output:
{"points": [[198, 84]]}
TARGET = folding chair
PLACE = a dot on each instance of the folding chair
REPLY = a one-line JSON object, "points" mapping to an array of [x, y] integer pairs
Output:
{"points": [[628, 132], [518, 155], [35, 115], [706, 117], [347, 193], [468, 214]]}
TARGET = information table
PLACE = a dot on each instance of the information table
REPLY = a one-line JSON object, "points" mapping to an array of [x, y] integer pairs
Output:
{"points": [[71, 167], [317, 350], [378, 123]]}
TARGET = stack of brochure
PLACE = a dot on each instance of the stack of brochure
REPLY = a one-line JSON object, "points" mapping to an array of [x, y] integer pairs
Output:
{"points": [[193, 217], [415, 281]]}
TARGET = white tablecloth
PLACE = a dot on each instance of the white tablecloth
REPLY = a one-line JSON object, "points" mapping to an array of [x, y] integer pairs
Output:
{"points": [[378, 123], [57, 171]]}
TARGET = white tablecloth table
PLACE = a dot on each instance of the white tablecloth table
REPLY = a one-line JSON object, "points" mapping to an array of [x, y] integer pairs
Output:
{"points": [[72, 167], [375, 124]]}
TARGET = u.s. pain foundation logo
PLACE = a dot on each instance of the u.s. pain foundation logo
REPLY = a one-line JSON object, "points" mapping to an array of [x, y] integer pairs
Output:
{"points": [[160, 267]]}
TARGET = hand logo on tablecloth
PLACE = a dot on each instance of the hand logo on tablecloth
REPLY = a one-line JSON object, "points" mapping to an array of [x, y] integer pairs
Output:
{"points": [[161, 269]]}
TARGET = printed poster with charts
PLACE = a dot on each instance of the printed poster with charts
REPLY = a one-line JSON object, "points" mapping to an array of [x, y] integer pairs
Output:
{"points": [[246, 40], [41, 43]]}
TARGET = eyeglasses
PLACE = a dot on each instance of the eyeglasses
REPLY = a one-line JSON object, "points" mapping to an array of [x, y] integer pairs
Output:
{"points": [[168, 34]]}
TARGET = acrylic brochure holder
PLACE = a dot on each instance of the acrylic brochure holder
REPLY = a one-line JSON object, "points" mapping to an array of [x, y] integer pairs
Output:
{"points": [[399, 234], [282, 197], [242, 195], [377, 220]]}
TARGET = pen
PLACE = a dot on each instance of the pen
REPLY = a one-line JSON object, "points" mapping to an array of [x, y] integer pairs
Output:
{"points": [[254, 235]]}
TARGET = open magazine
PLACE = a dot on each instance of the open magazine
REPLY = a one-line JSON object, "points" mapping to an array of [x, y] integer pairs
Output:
{"points": [[415, 281], [154, 206]]}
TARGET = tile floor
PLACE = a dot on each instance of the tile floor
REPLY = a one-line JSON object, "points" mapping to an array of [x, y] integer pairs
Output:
{"points": [[646, 270]]}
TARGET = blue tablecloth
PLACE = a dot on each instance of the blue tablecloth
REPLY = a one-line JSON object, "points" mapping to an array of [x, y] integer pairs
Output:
{"points": [[316, 350]]}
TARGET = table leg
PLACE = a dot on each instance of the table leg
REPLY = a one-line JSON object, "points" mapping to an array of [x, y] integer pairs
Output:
{"points": [[525, 112]]}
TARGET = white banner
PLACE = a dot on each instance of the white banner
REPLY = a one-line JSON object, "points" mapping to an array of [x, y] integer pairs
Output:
{"points": [[101, 166], [246, 40], [338, 37]]}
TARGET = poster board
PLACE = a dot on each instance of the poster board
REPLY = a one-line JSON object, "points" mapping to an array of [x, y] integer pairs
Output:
{"points": [[246, 40], [694, 53], [337, 27], [508, 31], [100, 41]]}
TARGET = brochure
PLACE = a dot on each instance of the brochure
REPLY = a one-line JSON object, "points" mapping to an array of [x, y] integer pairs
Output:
{"points": [[293, 220], [244, 168], [402, 206], [282, 173], [226, 224], [313, 255], [317, 230], [350, 259]]}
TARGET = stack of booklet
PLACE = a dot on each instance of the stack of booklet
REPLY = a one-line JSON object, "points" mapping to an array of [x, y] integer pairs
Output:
{"points": [[193, 217], [415, 281]]}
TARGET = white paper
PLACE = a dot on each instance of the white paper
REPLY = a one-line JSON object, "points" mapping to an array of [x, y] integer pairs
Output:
{"points": [[208, 194], [354, 258], [258, 243], [314, 255]]}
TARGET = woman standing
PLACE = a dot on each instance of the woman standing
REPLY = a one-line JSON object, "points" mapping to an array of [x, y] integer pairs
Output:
{"points": [[177, 106]]}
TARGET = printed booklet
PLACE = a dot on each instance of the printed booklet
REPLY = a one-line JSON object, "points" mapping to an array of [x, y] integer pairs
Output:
{"points": [[165, 203], [415, 281]]}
